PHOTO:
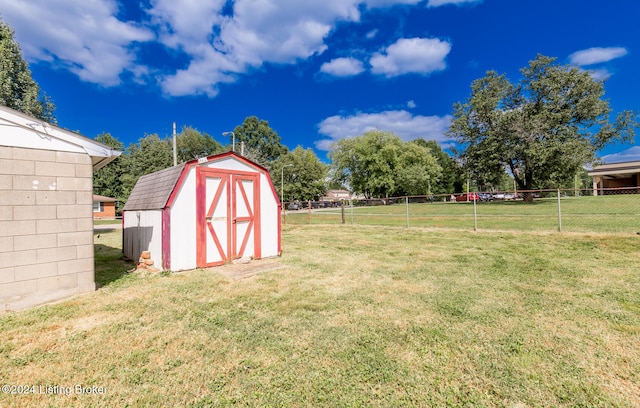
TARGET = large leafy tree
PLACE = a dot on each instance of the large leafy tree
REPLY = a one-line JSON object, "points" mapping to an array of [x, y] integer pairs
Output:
{"points": [[301, 173], [542, 129], [261, 143], [450, 179], [18, 90], [366, 163], [191, 144], [417, 171], [149, 155], [379, 164]]}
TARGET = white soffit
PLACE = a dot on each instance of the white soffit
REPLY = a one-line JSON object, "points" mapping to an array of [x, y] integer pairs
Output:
{"points": [[20, 130]]}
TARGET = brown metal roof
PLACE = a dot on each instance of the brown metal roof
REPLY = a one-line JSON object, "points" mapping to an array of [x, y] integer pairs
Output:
{"points": [[615, 168], [103, 199], [152, 191]]}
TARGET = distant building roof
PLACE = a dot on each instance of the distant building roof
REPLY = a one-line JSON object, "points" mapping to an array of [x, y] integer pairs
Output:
{"points": [[103, 199], [152, 191], [336, 193], [615, 169]]}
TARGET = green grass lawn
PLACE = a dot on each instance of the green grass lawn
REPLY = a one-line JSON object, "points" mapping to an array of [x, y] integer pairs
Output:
{"points": [[107, 222], [606, 214], [357, 316]]}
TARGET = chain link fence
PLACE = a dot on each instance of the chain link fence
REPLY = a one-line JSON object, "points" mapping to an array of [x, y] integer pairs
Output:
{"points": [[570, 210]]}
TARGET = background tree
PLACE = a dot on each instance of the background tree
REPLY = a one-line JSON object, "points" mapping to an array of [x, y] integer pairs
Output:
{"points": [[417, 171], [305, 180], [366, 163], [18, 90], [379, 164], [149, 155], [191, 144], [450, 179], [262, 144], [542, 129]]}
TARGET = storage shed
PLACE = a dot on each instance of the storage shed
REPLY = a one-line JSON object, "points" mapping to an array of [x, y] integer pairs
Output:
{"points": [[203, 213], [46, 222]]}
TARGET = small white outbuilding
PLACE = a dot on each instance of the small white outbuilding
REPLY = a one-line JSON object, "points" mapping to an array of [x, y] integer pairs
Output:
{"points": [[46, 217], [203, 213]]}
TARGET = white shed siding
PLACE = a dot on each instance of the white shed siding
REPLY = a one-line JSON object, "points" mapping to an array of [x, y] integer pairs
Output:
{"points": [[183, 225], [230, 163], [147, 237], [269, 219]]}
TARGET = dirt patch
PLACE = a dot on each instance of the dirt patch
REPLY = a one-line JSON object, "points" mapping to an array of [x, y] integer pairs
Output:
{"points": [[243, 270]]}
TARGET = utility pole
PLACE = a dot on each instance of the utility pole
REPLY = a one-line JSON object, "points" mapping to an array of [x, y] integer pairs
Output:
{"points": [[175, 149]]}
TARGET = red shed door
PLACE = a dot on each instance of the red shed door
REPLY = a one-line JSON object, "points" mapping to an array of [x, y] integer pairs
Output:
{"points": [[228, 214]]}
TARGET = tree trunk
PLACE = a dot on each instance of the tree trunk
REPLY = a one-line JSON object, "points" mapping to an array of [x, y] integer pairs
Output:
{"points": [[527, 196]]}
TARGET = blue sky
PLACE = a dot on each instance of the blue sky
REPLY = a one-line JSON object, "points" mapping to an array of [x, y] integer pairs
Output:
{"points": [[317, 70]]}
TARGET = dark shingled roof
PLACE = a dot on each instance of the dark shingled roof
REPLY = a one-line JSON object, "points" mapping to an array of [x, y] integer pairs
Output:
{"points": [[152, 191]]}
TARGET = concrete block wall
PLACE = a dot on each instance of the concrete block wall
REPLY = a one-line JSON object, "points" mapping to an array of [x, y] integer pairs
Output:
{"points": [[46, 226]]}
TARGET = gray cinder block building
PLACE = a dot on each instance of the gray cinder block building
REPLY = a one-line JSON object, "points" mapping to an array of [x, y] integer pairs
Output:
{"points": [[46, 210]]}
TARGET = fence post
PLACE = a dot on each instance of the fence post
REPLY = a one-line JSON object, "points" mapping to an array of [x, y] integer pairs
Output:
{"points": [[283, 213], [406, 200], [475, 213], [309, 202], [351, 204], [559, 213], [342, 210]]}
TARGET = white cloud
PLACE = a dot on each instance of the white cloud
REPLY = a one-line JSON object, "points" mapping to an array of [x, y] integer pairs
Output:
{"points": [[411, 104], [342, 67], [631, 154], [202, 76], [438, 3], [85, 37], [209, 47], [596, 55], [185, 24], [402, 123], [283, 31], [389, 3], [258, 32], [599, 74], [411, 55]]}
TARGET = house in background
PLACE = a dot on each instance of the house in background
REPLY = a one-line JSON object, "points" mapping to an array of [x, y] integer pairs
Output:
{"points": [[338, 195], [46, 210], [616, 178], [104, 208], [335, 196]]}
